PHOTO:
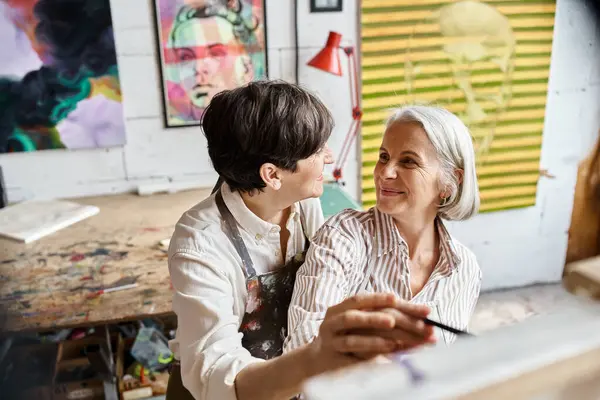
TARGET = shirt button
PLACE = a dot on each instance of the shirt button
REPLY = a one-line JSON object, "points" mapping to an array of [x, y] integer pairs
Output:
{"points": [[274, 230], [258, 236]]}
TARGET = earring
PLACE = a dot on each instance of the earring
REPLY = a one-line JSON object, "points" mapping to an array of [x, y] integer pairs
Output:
{"points": [[444, 201]]}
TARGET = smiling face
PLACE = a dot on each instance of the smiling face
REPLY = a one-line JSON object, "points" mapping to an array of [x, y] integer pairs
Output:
{"points": [[307, 181], [219, 63], [407, 172]]}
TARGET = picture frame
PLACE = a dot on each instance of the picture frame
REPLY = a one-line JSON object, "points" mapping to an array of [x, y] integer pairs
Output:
{"points": [[318, 6], [191, 72]]}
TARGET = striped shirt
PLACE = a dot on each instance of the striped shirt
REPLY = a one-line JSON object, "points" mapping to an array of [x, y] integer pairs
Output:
{"points": [[363, 251]]}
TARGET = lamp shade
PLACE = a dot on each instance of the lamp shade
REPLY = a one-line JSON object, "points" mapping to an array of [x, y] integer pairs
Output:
{"points": [[328, 59]]}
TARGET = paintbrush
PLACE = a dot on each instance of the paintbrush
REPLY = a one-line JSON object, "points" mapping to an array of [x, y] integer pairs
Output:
{"points": [[446, 327]]}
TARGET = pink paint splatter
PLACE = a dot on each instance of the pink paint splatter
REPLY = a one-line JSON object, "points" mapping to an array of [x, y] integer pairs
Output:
{"points": [[252, 326], [77, 257]]}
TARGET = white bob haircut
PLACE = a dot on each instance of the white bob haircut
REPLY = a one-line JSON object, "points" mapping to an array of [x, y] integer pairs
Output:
{"points": [[454, 147]]}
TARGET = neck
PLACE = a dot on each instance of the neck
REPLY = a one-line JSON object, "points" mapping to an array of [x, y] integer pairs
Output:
{"points": [[419, 233], [265, 205]]}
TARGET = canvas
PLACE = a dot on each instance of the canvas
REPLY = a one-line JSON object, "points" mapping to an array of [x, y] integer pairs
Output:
{"points": [[59, 80], [205, 47], [540, 356], [486, 61]]}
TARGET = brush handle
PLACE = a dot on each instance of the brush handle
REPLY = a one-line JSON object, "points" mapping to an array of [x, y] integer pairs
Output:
{"points": [[446, 327]]}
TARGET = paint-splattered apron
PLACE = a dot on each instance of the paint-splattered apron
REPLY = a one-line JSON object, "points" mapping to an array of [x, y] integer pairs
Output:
{"points": [[264, 324]]}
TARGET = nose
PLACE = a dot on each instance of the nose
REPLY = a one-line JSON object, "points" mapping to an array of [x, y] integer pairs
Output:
{"points": [[389, 172], [202, 71], [328, 155]]}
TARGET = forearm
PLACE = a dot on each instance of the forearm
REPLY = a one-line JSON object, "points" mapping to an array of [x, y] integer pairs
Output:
{"points": [[278, 379]]}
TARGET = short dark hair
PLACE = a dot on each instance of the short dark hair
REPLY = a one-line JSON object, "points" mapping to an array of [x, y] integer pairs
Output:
{"points": [[263, 122]]}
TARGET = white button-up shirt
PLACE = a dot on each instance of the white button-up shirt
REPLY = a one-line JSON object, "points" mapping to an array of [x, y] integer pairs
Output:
{"points": [[210, 287], [357, 250]]}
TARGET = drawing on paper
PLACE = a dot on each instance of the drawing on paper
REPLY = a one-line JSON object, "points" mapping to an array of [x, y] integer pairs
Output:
{"points": [[486, 61], [205, 47], [59, 81]]}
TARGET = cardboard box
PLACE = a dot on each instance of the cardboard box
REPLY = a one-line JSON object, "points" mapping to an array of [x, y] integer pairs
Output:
{"points": [[75, 378]]}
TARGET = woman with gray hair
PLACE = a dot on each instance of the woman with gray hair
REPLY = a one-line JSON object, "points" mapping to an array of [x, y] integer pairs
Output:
{"points": [[425, 174]]}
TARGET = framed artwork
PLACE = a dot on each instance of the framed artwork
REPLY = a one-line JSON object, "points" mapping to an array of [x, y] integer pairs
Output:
{"points": [[205, 47], [59, 79], [493, 75], [325, 5]]}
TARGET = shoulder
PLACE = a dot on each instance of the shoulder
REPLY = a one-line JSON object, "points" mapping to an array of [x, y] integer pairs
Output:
{"points": [[198, 229], [351, 223], [199, 248], [468, 260]]}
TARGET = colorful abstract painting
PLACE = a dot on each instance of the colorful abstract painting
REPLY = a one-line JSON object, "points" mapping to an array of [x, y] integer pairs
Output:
{"points": [[205, 47], [486, 61], [59, 81]]}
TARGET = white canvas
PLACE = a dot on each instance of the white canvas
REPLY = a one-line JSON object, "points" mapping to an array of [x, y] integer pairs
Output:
{"points": [[31, 220], [471, 363]]}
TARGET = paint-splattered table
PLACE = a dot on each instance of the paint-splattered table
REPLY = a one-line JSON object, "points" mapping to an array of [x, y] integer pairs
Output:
{"points": [[54, 282]]}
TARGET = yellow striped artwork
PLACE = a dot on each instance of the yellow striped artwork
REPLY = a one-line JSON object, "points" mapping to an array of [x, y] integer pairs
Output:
{"points": [[486, 61]]}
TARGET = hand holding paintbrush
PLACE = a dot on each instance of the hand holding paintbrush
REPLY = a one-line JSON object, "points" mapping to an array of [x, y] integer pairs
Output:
{"points": [[412, 328]]}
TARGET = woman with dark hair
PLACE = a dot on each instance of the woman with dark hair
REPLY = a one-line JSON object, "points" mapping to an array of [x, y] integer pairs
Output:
{"points": [[233, 257]]}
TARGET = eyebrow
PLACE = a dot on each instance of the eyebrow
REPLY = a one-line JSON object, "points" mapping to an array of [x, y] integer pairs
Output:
{"points": [[410, 152], [406, 152]]}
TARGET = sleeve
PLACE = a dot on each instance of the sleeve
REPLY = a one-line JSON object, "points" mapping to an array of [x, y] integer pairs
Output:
{"points": [[321, 282], [210, 347]]}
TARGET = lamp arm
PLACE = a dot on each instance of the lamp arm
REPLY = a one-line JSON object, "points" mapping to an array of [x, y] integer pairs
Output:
{"points": [[353, 74], [356, 113]]}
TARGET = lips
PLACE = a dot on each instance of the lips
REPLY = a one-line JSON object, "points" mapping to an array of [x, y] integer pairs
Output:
{"points": [[388, 191], [200, 91], [200, 94]]}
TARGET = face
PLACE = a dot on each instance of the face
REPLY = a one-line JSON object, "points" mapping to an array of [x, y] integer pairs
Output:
{"points": [[307, 181], [407, 172], [220, 63]]}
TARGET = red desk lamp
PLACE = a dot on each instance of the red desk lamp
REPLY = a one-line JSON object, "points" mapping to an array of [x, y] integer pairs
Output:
{"points": [[328, 60]]}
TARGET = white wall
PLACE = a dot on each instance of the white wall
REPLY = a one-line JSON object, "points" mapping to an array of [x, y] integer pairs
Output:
{"points": [[514, 247], [155, 154]]}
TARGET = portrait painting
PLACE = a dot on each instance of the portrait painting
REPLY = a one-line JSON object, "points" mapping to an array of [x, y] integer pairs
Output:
{"points": [[59, 79], [205, 47], [486, 61]]}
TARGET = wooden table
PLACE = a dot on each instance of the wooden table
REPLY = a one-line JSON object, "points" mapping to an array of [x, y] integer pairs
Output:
{"points": [[50, 284]]}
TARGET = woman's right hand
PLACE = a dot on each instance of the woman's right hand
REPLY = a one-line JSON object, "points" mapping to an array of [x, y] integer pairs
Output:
{"points": [[367, 325]]}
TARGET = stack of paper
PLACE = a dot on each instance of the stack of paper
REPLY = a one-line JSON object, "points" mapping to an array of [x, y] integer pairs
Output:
{"points": [[31, 220]]}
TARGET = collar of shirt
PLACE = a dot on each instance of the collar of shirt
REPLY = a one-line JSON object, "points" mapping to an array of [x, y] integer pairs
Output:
{"points": [[249, 222], [388, 238]]}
